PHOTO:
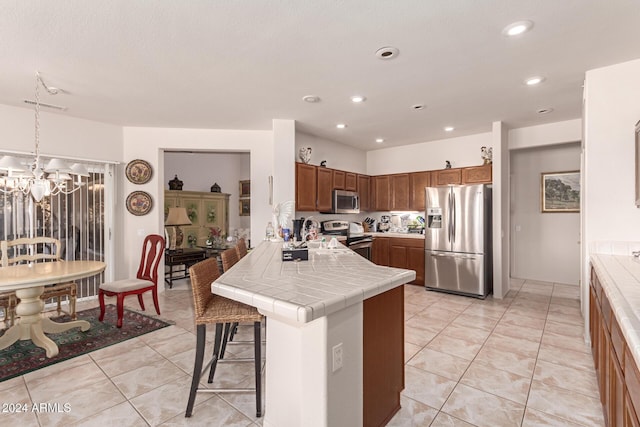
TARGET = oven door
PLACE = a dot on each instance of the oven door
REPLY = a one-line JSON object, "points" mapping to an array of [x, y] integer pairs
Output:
{"points": [[362, 247]]}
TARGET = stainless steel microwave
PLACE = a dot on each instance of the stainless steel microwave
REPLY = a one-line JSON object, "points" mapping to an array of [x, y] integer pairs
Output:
{"points": [[344, 202]]}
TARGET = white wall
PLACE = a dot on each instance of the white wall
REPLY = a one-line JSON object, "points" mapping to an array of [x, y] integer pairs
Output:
{"points": [[461, 152], [544, 246], [149, 144], [199, 171], [547, 134], [338, 156], [612, 107]]}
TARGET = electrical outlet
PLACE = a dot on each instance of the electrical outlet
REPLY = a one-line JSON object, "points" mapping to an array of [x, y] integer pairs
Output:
{"points": [[337, 357]]}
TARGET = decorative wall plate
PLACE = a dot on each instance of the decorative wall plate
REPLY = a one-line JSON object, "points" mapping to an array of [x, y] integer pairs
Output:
{"points": [[139, 203], [138, 171]]}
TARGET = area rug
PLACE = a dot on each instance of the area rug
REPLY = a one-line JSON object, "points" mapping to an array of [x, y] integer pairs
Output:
{"points": [[23, 356]]}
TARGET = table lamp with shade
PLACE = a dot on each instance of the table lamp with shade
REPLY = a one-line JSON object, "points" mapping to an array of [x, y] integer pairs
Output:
{"points": [[176, 218]]}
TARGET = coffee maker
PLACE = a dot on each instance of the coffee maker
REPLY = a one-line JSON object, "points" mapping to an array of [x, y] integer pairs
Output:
{"points": [[385, 223]]}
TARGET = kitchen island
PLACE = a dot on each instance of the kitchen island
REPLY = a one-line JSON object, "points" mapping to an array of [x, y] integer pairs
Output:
{"points": [[335, 332]]}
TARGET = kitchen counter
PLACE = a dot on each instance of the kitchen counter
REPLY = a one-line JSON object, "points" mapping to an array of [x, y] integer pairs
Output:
{"points": [[321, 317], [401, 235], [620, 279]]}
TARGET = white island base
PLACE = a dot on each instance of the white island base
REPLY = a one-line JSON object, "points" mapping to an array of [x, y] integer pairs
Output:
{"points": [[335, 299]]}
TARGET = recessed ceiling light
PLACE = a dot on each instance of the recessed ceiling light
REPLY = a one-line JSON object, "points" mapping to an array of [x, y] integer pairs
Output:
{"points": [[532, 81], [418, 106], [388, 52], [311, 99], [449, 129], [358, 98], [517, 28], [341, 125], [379, 140], [544, 110]]}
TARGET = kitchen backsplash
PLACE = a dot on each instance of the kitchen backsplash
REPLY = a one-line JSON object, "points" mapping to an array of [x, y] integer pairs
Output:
{"points": [[613, 248]]}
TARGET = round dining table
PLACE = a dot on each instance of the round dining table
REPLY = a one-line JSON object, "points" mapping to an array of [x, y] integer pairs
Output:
{"points": [[29, 281]]}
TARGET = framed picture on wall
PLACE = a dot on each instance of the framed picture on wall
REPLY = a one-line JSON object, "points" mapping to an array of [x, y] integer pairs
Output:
{"points": [[560, 192], [245, 207], [245, 188], [638, 164]]}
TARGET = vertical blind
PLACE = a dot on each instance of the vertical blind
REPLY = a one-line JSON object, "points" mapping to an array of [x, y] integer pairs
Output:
{"points": [[76, 219]]}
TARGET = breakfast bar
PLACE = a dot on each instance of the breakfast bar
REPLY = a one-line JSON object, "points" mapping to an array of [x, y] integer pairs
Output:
{"points": [[335, 350]]}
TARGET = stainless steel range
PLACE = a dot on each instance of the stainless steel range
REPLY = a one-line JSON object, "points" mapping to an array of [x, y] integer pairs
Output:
{"points": [[357, 241]]}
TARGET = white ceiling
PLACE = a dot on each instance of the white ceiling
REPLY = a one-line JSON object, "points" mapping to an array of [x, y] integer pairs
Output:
{"points": [[240, 64]]}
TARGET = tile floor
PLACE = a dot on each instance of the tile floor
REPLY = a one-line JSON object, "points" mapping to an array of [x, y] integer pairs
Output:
{"points": [[520, 361]]}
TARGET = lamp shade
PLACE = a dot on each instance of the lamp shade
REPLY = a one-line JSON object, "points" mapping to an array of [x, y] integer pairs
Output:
{"points": [[11, 164], [177, 216], [57, 165]]}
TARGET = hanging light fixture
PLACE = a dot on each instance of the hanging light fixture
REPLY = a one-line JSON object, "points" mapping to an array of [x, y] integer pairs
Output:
{"points": [[36, 177]]}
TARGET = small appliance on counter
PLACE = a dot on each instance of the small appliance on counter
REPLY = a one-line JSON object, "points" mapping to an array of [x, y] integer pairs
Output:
{"points": [[357, 241], [385, 223]]}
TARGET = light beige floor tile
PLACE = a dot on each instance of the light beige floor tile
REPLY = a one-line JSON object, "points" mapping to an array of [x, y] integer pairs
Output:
{"points": [[563, 318], [483, 409], [577, 380], [564, 329], [121, 415], [501, 383], [516, 345], [562, 356], [521, 320], [246, 403], [563, 341], [531, 303], [526, 312], [16, 405], [145, 378], [13, 382], [413, 414], [425, 387], [410, 350], [82, 402], [446, 420], [438, 363], [569, 302], [533, 418], [480, 309], [566, 404], [519, 332], [417, 336], [568, 311], [507, 360], [212, 412], [61, 367], [474, 335], [62, 383], [439, 314], [430, 324], [455, 346], [472, 321], [117, 349], [412, 309], [174, 345], [162, 334], [117, 364], [156, 408]]}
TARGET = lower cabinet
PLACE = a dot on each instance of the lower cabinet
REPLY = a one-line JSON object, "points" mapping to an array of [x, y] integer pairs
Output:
{"points": [[401, 253], [616, 370]]}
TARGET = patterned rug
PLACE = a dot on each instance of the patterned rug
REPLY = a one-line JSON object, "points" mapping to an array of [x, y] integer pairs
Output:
{"points": [[24, 356]]}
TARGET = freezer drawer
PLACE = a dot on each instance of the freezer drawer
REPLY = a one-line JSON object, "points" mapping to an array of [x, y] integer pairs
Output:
{"points": [[456, 272]]}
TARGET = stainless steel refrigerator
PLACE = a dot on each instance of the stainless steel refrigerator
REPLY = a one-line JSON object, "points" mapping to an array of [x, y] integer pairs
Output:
{"points": [[458, 240]]}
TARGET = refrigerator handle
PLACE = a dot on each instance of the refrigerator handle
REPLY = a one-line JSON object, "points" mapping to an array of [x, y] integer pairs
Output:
{"points": [[454, 225], [449, 216]]}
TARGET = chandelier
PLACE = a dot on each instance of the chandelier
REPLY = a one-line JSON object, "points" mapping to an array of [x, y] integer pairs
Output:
{"points": [[36, 177]]}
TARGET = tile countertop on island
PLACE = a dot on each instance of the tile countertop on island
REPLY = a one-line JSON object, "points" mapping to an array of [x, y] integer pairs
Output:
{"points": [[303, 291], [620, 278]]}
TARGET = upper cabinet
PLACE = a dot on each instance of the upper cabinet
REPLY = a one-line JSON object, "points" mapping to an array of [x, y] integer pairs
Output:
{"points": [[395, 192], [400, 192], [305, 187], [417, 183]]}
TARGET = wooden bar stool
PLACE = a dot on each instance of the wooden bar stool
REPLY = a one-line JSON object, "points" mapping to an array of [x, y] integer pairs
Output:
{"points": [[241, 249], [214, 309]]}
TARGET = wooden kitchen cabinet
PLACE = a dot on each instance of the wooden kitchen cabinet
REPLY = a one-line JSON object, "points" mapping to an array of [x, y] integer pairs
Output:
{"points": [[339, 180], [381, 191], [446, 177], [305, 187], [409, 254], [417, 183], [477, 175], [324, 187], [399, 192], [364, 190], [380, 251], [616, 369], [351, 181]]}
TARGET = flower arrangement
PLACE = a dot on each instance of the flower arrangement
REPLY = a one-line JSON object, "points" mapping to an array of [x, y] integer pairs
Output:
{"points": [[216, 238]]}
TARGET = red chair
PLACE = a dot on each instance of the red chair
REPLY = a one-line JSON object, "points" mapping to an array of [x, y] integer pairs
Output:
{"points": [[146, 278]]}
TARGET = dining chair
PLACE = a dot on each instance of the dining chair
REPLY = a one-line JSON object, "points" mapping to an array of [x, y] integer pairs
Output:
{"points": [[229, 258], [241, 248], [146, 279], [209, 308], [40, 249]]}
